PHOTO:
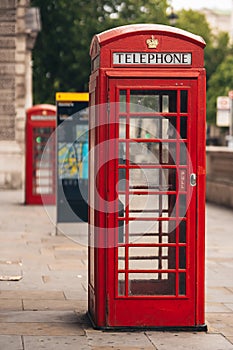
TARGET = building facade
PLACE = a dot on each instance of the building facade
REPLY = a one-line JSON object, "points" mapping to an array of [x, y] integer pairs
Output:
{"points": [[219, 21], [19, 25]]}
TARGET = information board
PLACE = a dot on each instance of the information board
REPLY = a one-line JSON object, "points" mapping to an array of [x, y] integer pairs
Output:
{"points": [[72, 157]]}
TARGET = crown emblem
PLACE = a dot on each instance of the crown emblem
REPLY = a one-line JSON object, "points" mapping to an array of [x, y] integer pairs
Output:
{"points": [[152, 43]]}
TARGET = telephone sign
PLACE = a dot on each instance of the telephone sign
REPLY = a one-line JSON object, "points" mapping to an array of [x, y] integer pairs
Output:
{"points": [[147, 58]]}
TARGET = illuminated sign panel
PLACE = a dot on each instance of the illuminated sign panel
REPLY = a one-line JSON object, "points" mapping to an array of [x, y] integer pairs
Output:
{"points": [[148, 58]]}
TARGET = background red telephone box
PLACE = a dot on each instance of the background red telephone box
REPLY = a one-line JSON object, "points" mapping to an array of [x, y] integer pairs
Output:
{"points": [[40, 176], [147, 178]]}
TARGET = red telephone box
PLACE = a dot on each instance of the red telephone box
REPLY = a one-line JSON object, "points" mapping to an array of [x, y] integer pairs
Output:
{"points": [[147, 178], [40, 169]]}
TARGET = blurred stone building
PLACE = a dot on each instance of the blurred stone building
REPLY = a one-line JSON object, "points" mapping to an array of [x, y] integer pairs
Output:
{"points": [[19, 25], [219, 21]]}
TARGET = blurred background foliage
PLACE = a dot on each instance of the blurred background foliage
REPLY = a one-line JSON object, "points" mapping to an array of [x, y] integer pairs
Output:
{"points": [[61, 59]]}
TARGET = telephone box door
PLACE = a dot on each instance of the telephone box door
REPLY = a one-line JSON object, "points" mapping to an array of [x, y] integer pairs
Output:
{"points": [[152, 262]]}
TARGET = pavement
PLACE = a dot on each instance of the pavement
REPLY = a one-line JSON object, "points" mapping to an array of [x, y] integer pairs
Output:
{"points": [[43, 287]]}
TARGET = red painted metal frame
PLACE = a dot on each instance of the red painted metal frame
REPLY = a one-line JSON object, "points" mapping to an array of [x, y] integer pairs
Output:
{"points": [[106, 309], [47, 120]]}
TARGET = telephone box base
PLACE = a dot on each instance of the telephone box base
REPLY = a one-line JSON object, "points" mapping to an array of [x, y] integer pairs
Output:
{"points": [[198, 328]]}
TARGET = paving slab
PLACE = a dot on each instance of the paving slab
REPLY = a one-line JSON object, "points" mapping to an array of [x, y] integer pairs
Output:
{"points": [[11, 304], [118, 340], [39, 316], [73, 250], [11, 342], [55, 343], [230, 306], [219, 275], [31, 281], [189, 341], [59, 281], [68, 265], [121, 347], [10, 270], [47, 252], [56, 241], [43, 305], [32, 294], [218, 307], [38, 328], [216, 294], [74, 294], [221, 323]]}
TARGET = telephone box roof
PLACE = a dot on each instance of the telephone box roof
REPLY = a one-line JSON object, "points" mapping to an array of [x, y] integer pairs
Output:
{"points": [[122, 31], [39, 107]]}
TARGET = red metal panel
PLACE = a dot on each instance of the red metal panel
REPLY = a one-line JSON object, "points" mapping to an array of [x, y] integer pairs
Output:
{"points": [[201, 185], [39, 182]]}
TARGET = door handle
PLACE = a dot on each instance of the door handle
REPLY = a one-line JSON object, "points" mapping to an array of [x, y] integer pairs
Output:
{"points": [[193, 179]]}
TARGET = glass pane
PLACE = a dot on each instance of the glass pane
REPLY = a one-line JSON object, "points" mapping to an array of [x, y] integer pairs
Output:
{"points": [[146, 258], [182, 228], [144, 153], [183, 154], [121, 284], [151, 258], [144, 128], [123, 101], [122, 128], [182, 257], [184, 101], [152, 284], [169, 227], [172, 206], [121, 231], [122, 152], [171, 173], [152, 179], [121, 205], [121, 258], [150, 231], [159, 101], [165, 103], [148, 205], [144, 100], [143, 231], [153, 127], [121, 179], [152, 206], [169, 153], [182, 206], [168, 128], [139, 179], [183, 127], [182, 283], [152, 153]]}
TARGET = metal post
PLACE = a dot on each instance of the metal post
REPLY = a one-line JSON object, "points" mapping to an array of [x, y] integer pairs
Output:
{"points": [[230, 139]]}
